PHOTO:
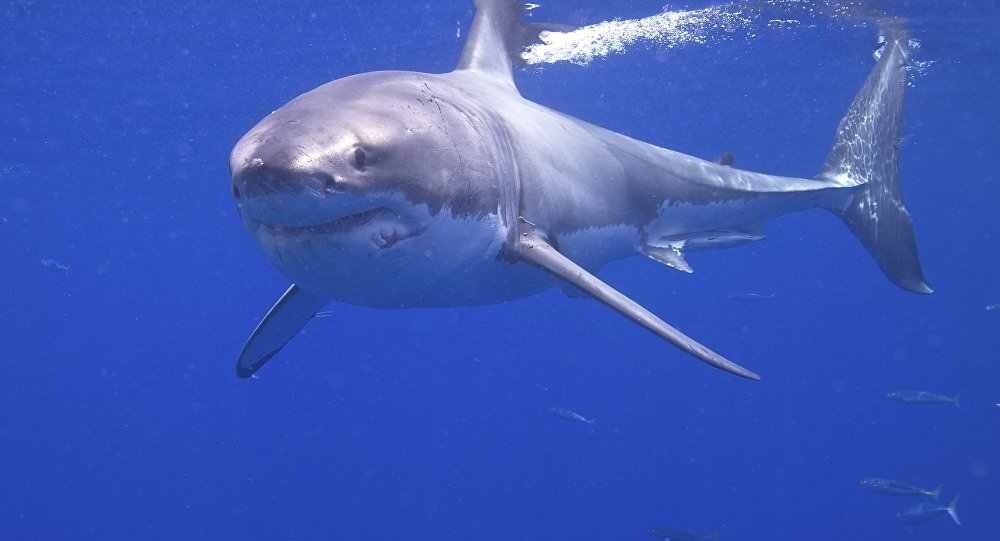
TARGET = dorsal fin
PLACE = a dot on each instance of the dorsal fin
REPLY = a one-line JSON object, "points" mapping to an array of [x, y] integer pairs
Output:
{"points": [[726, 158], [499, 34]]}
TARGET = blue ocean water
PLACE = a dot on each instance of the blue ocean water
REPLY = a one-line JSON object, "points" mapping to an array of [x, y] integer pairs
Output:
{"points": [[121, 416]]}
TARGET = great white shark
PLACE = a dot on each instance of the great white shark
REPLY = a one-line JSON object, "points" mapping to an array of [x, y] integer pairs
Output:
{"points": [[398, 189]]}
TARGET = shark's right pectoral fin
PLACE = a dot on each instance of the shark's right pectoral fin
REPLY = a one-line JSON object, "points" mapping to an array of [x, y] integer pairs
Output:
{"points": [[537, 250], [283, 321]]}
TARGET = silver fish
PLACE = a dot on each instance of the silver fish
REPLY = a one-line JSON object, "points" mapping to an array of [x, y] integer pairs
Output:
{"points": [[924, 397], [749, 297], [897, 488], [569, 415], [924, 511], [993, 308], [670, 534]]}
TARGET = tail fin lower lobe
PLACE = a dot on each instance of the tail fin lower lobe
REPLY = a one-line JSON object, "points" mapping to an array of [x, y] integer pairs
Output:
{"points": [[865, 154]]}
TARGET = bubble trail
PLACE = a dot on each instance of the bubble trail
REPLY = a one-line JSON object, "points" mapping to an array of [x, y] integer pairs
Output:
{"points": [[667, 30]]}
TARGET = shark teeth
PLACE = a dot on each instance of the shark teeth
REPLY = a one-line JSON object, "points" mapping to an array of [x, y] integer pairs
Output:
{"points": [[349, 222], [340, 225], [387, 227]]}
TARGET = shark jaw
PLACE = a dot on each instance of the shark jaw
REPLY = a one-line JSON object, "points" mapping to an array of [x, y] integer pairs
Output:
{"points": [[381, 226], [355, 231], [391, 254]]}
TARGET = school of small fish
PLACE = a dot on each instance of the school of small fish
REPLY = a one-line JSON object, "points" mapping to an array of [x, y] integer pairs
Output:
{"points": [[926, 509], [929, 507]]}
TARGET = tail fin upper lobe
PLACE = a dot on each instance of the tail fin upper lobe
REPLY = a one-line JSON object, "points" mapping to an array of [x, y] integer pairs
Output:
{"points": [[865, 154]]}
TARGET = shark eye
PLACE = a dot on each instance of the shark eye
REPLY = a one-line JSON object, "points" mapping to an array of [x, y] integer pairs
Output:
{"points": [[360, 158]]}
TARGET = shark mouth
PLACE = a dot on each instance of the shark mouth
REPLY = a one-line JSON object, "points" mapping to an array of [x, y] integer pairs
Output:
{"points": [[386, 227]]}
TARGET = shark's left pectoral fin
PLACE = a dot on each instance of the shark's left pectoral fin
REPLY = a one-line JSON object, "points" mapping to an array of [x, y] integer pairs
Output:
{"points": [[537, 250], [283, 321]]}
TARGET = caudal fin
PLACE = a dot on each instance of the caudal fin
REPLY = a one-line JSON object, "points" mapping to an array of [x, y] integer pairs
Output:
{"points": [[865, 155], [953, 511]]}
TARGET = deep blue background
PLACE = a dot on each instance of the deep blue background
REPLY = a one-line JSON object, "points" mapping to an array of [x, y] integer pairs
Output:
{"points": [[121, 416]]}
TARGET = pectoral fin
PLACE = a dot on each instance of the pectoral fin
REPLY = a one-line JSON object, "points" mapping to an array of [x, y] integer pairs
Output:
{"points": [[283, 321], [535, 249]]}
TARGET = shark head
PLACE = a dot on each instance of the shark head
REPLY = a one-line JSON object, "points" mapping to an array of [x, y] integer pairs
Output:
{"points": [[375, 189]]}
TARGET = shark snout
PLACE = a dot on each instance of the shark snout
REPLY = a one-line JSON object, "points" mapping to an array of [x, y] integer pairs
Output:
{"points": [[271, 190], [257, 179], [288, 200], [278, 198]]}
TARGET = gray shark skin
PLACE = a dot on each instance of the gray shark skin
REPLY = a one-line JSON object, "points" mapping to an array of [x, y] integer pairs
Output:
{"points": [[400, 189]]}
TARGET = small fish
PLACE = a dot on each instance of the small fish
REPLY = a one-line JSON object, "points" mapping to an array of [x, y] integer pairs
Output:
{"points": [[326, 313], [924, 511], [924, 397], [993, 308], [671, 534], [54, 265], [896, 488], [749, 297], [570, 415]]}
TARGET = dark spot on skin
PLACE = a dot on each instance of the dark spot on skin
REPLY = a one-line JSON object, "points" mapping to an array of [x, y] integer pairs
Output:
{"points": [[360, 158], [236, 191]]}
